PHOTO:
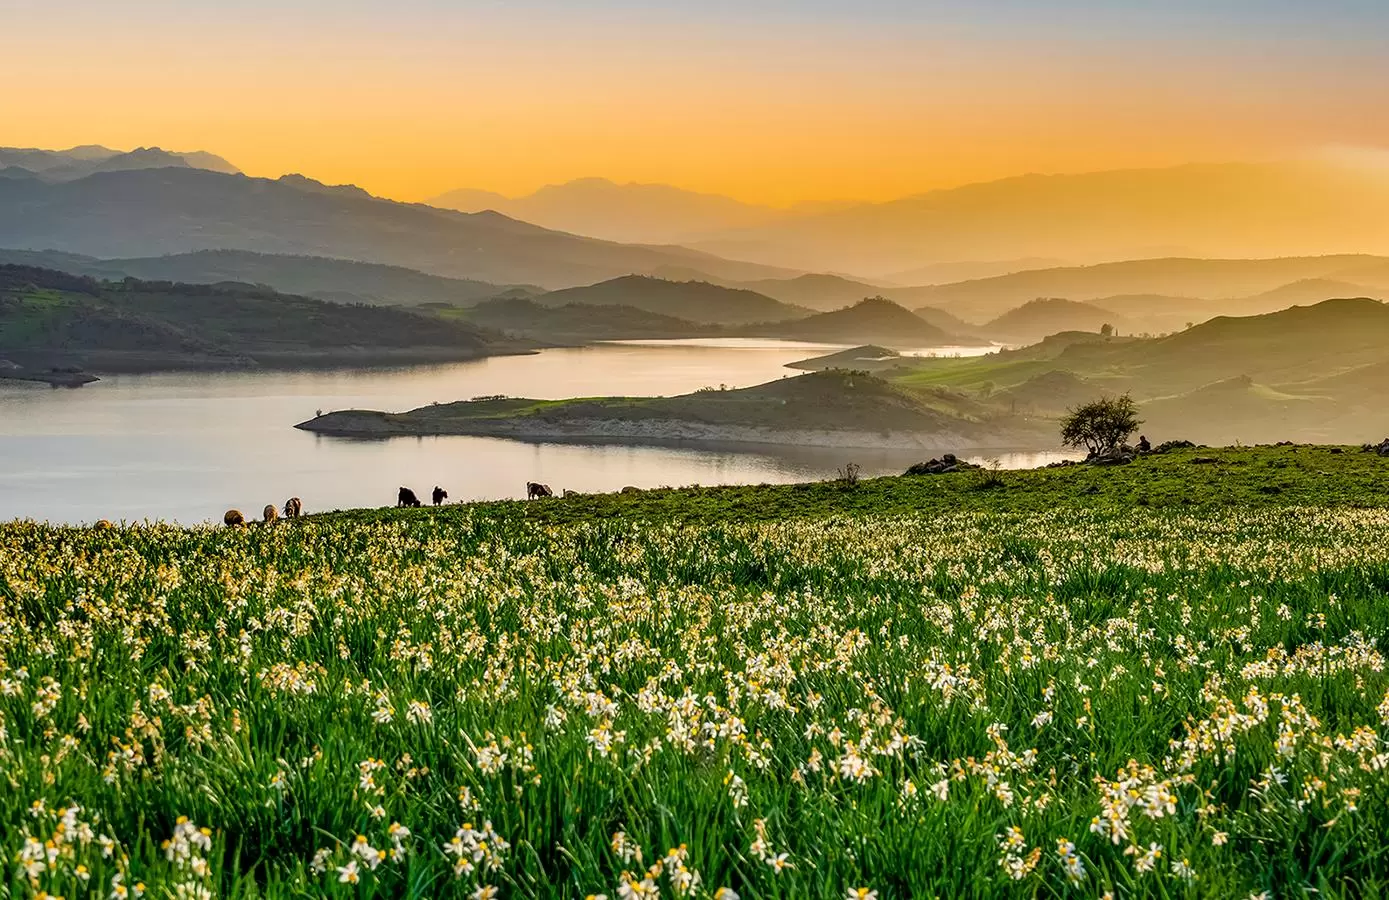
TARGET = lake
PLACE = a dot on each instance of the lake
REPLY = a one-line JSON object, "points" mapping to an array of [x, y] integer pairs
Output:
{"points": [[188, 446]]}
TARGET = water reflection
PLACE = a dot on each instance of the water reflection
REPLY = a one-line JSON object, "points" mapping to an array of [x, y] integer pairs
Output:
{"points": [[188, 446]]}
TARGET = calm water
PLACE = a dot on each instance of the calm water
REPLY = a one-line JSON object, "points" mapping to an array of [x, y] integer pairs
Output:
{"points": [[188, 446]]}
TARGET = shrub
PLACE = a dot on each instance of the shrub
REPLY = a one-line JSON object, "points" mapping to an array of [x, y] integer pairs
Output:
{"points": [[1101, 426]]}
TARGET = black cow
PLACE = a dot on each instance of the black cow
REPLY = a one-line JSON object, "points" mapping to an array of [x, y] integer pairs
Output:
{"points": [[407, 497], [440, 495]]}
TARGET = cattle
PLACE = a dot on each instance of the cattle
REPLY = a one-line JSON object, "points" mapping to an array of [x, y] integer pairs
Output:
{"points": [[535, 489], [294, 508], [232, 518], [569, 493], [440, 495], [270, 513], [406, 497], [631, 490]]}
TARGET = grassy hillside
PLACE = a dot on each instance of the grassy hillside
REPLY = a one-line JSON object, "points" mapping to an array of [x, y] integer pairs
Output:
{"points": [[1158, 681], [837, 407], [49, 317], [695, 301], [1304, 372], [337, 280]]}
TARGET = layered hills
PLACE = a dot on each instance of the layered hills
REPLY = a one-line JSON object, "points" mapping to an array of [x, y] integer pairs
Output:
{"points": [[158, 211], [51, 319], [1308, 372]]}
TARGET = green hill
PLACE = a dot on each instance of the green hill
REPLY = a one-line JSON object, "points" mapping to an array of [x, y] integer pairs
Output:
{"points": [[874, 320], [694, 301], [1044, 316], [337, 280], [49, 317], [576, 321]]}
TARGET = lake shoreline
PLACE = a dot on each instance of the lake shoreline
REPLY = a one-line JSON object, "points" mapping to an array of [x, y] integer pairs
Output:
{"points": [[371, 425], [121, 363]]}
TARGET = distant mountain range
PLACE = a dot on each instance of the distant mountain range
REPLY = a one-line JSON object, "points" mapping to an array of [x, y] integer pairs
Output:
{"points": [[79, 162], [1231, 210], [150, 212], [631, 213]]}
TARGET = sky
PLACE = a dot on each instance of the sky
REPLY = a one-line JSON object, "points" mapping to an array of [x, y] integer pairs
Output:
{"points": [[769, 101]]}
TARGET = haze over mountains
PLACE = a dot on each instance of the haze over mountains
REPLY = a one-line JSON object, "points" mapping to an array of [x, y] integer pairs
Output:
{"points": [[79, 162], [150, 212], [1231, 210], [632, 213], [191, 217]]}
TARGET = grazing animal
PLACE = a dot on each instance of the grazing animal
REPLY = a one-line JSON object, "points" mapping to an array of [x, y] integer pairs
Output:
{"points": [[294, 508], [631, 490], [440, 495], [407, 497], [569, 493], [233, 518], [103, 524], [535, 489], [270, 513]]}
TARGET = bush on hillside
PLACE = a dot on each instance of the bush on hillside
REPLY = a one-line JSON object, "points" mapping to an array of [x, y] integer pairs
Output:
{"points": [[1101, 426]]}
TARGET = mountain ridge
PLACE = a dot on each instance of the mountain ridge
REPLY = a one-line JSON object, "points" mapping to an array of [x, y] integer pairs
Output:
{"points": [[151, 212]]}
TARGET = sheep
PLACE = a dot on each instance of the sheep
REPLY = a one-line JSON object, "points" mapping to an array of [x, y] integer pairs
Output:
{"points": [[406, 497], [294, 508], [103, 524], [232, 518], [270, 513]]}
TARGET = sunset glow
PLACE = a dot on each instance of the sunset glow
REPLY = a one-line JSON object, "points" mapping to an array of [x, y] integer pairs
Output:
{"points": [[782, 103]]}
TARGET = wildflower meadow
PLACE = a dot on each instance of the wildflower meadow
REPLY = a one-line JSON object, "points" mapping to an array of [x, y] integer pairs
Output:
{"points": [[1105, 702]]}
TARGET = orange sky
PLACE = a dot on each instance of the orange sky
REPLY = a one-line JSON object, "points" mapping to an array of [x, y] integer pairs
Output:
{"points": [[412, 106]]}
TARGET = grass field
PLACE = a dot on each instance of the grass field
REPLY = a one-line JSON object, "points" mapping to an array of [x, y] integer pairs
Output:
{"points": [[1163, 680]]}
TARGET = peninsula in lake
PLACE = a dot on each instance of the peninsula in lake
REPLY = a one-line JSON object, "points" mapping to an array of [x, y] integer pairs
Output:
{"points": [[826, 409]]}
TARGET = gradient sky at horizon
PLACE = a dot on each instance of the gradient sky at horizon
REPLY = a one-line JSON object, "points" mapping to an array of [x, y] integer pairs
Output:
{"points": [[767, 100]]}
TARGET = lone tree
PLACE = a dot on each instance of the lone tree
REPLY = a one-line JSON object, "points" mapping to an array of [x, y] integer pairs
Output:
{"points": [[1101, 426]]}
